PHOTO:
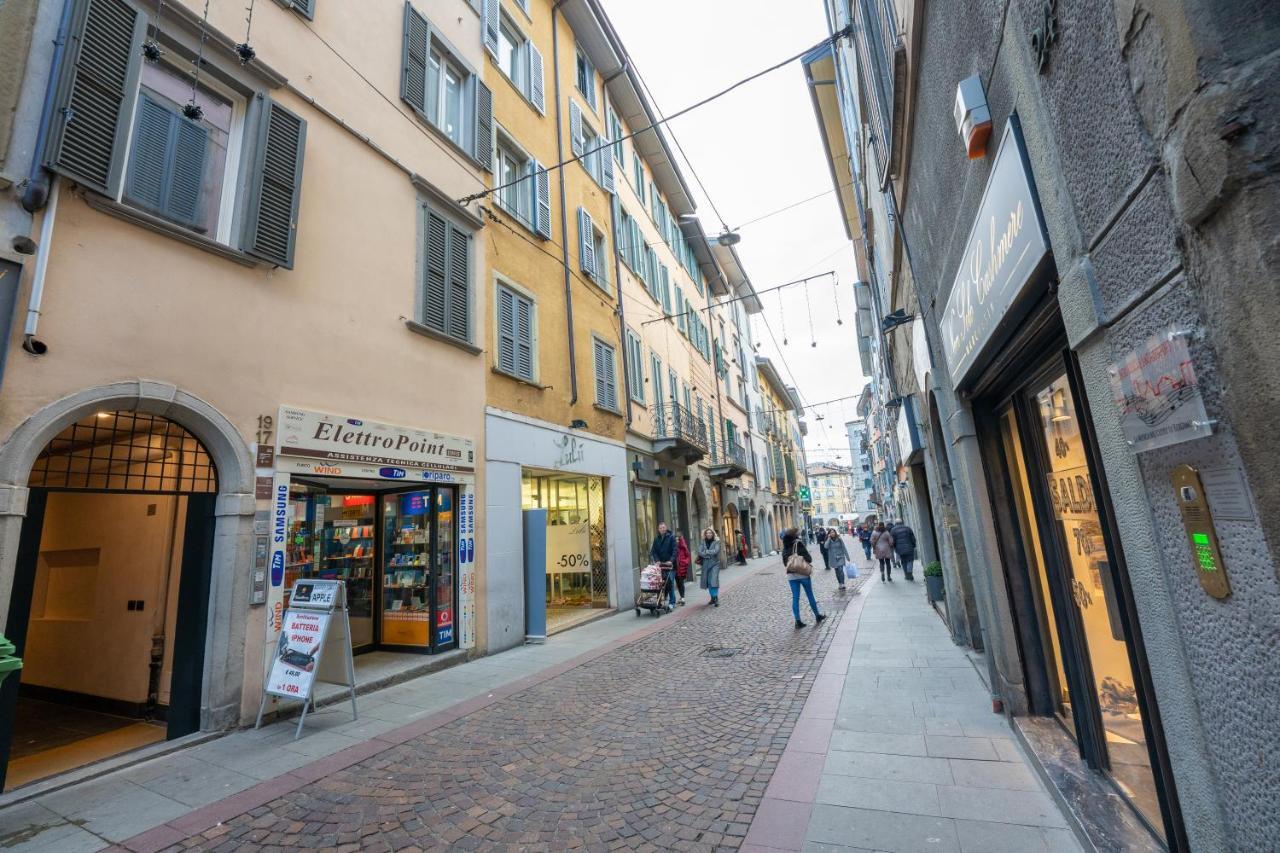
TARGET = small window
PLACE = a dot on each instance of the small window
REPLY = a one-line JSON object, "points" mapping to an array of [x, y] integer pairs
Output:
{"points": [[587, 79], [516, 323], [446, 276], [592, 157], [602, 259], [637, 175], [511, 55], [606, 376], [516, 193], [616, 134]]}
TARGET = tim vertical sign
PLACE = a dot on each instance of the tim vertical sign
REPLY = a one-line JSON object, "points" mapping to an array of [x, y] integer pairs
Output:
{"points": [[1006, 246]]}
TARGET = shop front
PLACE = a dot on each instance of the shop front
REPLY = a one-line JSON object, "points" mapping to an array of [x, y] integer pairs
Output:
{"points": [[389, 511], [579, 480], [1082, 659]]}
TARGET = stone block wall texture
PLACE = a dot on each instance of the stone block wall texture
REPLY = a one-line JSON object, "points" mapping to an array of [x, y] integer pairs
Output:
{"points": [[1152, 134]]}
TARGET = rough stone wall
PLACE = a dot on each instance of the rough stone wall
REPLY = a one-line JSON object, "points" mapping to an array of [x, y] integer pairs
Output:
{"points": [[17, 20]]}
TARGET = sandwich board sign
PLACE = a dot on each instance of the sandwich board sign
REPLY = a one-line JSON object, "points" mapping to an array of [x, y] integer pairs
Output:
{"points": [[314, 646]]}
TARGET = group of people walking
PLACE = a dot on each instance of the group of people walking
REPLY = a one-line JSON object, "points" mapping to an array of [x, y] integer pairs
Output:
{"points": [[672, 553]]}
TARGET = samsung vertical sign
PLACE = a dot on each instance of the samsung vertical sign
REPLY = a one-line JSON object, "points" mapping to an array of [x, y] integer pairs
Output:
{"points": [[1006, 247]]}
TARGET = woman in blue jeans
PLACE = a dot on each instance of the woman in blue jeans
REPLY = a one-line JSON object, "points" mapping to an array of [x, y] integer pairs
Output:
{"points": [[792, 544]]}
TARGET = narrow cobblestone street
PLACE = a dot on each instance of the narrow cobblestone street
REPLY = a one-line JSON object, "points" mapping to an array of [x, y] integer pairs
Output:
{"points": [[665, 743]]}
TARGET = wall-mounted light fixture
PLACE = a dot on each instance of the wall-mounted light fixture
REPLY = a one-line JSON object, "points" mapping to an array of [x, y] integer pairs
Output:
{"points": [[973, 118], [896, 319], [577, 423]]}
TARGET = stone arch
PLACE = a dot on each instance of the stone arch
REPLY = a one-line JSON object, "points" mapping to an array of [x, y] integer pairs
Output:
{"points": [[223, 679], [700, 521]]}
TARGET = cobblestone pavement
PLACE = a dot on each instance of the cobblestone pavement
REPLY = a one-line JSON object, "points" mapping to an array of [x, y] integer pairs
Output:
{"points": [[666, 743]]}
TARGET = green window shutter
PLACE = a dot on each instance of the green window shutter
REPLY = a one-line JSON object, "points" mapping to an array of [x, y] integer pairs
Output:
{"points": [[459, 284], [89, 122], [542, 198], [275, 190], [586, 245], [575, 129], [681, 320], [166, 163], [413, 74], [606, 166], [483, 141], [435, 268], [491, 23], [506, 311], [602, 397], [537, 86], [664, 288], [524, 338]]}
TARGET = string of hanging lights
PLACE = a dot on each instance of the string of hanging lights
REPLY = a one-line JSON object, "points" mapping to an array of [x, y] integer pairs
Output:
{"points": [[151, 51], [244, 49], [193, 110]]}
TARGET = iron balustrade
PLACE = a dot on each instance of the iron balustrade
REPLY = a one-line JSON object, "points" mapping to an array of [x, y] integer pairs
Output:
{"points": [[674, 421]]}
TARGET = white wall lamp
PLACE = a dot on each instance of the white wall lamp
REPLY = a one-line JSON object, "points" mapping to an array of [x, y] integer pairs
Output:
{"points": [[973, 118]]}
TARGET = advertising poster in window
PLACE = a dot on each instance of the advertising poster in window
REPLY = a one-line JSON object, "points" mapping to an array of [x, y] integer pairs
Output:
{"points": [[466, 615], [297, 658]]}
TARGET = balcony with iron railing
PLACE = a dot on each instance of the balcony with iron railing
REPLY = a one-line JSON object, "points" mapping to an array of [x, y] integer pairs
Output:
{"points": [[677, 434], [729, 461]]}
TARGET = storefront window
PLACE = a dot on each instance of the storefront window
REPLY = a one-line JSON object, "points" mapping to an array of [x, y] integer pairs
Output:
{"points": [[646, 521], [1093, 591], [577, 564]]}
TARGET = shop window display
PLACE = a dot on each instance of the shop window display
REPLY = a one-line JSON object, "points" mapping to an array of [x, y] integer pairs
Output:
{"points": [[577, 568]]}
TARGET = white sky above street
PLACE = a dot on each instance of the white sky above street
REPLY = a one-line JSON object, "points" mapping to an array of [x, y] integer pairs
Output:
{"points": [[758, 149]]}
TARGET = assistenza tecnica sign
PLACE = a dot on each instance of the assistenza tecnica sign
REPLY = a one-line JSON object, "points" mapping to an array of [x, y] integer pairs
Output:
{"points": [[333, 438]]}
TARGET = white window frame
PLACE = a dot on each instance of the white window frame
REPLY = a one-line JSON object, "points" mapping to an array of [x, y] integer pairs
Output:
{"points": [[235, 148], [581, 59], [602, 255], [520, 53], [503, 138], [466, 78], [501, 281]]}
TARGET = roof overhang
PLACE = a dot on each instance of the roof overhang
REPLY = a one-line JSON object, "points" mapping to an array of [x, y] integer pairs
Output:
{"points": [[740, 284], [820, 75], [770, 374]]}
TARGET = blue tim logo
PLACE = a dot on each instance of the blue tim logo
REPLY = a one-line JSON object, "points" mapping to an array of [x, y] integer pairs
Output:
{"points": [[355, 422], [393, 473], [277, 568]]}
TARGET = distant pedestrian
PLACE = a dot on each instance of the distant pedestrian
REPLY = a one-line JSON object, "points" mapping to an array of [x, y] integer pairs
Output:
{"points": [[904, 543], [710, 558], [882, 545], [838, 556], [792, 546], [864, 537], [683, 561], [663, 552], [822, 546]]}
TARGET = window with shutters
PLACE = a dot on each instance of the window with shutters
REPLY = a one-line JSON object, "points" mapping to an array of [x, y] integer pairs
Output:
{"points": [[517, 193], [179, 168], [521, 62], [635, 366], [616, 133], [586, 79], [515, 317], [445, 265], [606, 376], [444, 90], [637, 177], [593, 151], [603, 257]]}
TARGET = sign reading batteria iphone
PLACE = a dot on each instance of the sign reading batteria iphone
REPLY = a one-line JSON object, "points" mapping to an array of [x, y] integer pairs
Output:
{"points": [[336, 440], [1006, 246], [293, 670]]}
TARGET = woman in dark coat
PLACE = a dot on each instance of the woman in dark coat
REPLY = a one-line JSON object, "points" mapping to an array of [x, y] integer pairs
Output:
{"points": [[882, 547], [793, 544]]}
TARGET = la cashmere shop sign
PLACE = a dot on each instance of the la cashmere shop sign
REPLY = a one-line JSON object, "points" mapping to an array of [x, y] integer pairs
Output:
{"points": [[335, 439], [1006, 247]]}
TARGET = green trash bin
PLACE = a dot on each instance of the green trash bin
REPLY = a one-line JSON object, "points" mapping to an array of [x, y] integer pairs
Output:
{"points": [[8, 662]]}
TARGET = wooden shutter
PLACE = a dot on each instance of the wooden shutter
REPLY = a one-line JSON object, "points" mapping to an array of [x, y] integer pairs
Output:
{"points": [[537, 85], [681, 320], [606, 380], [89, 122], [459, 284], [542, 198], [586, 244], [307, 8], [606, 166], [482, 147], [435, 270], [575, 128], [524, 338], [166, 163], [491, 23], [275, 190], [413, 75], [664, 284], [506, 311]]}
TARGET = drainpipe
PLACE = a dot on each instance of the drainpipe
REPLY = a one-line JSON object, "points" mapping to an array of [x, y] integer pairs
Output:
{"points": [[37, 190], [617, 279], [29, 341], [564, 215]]}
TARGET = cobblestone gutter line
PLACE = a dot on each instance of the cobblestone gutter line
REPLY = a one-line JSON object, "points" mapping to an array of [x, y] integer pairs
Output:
{"points": [[666, 740]]}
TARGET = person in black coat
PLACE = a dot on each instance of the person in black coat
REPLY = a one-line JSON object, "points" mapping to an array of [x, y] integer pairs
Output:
{"points": [[663, 552], [904, 544], [821, 536]]}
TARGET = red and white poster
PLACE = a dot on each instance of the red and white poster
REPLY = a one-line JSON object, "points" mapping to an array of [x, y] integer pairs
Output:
{"points": [[293, 670]]}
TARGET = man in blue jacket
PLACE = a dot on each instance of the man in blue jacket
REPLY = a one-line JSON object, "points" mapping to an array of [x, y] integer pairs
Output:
{"points": [[663, 552]]}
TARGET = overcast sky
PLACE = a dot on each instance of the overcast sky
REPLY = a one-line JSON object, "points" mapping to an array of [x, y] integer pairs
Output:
{"points": [[756, 150]]}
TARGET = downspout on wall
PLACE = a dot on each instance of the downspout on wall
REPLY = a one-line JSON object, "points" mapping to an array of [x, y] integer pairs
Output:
{"points": [[564, 218]]}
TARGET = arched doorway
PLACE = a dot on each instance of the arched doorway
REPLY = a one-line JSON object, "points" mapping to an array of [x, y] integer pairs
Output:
{"points": [[110, 575], [700, 518]]}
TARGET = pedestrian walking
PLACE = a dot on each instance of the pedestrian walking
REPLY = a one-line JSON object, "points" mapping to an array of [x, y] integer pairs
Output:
{"points": [[799, 566], [904, 543], [864, 538], [663, 552], [683, 561], [710, 558], [822, 546], [882, 546], [838, 556], [742, 549]]}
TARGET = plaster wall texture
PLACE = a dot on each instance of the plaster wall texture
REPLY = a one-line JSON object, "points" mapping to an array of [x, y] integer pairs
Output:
{"points": [[122, 301], [1115, 236]]}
